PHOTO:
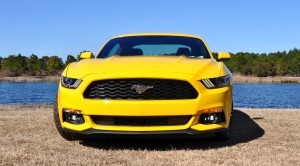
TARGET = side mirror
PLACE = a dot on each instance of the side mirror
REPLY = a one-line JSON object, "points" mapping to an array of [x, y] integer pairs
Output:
{"points": [[223, 55], [86, 55]]}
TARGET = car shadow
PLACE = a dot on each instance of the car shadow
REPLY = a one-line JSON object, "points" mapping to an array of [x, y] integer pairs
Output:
{"points": [[244, 129]]}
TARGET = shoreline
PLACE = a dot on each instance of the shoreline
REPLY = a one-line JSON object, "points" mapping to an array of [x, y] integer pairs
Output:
{"points": [[30, 79], [235, 108], [254, 79], [236, 79]]}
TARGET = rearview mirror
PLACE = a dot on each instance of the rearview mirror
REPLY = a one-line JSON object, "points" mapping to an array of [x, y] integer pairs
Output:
{"points": [[86, 55], [223, 55]]}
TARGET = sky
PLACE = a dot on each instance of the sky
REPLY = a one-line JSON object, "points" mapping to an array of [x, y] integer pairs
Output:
{"points": [[63, 27]]}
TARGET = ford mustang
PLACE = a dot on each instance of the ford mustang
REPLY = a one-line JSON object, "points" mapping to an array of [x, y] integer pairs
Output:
{"points": [[146, 84]]}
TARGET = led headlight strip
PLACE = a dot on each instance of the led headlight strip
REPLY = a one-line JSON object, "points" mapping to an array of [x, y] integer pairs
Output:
{"points": [[76, 84], [207, 83], [218, 82], [71, 83]]}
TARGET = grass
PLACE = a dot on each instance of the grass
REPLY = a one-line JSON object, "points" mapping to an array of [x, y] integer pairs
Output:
{"points": [[259, 137]]}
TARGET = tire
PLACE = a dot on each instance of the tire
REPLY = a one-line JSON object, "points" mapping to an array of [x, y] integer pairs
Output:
{"points": [[223, 135], [65, 134], [226, 134], [232, 110]]}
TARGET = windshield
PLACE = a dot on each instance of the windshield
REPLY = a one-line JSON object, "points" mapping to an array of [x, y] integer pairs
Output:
{"points": [[155, 46]]}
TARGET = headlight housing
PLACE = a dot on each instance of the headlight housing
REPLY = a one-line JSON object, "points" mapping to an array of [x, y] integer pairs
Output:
{"points": [[219, 82], [70, 83]]}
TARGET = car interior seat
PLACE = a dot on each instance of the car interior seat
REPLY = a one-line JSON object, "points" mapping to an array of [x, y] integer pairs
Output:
{"points": [[136, 51], [183, 51]]}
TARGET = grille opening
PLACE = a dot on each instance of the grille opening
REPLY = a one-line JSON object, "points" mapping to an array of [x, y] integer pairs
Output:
{"points": [[141, 121], [124, 89]]}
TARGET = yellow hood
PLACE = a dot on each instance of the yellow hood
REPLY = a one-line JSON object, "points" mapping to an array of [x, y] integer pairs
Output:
{"points": [[167, 64]]}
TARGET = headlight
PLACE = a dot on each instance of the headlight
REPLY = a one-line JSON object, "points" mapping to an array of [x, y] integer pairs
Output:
{"points": [[71, 83], [218, 82]]}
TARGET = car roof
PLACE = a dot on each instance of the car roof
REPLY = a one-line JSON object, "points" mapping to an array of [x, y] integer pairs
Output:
{"points": [[157, 34]]}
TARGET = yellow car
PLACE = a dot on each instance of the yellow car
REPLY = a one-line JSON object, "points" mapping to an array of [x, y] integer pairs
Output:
{"points": [[146, 84]]}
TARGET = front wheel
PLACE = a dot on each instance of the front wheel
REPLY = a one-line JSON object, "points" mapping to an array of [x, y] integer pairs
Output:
{"points": [[224, 135], [65, 134]]}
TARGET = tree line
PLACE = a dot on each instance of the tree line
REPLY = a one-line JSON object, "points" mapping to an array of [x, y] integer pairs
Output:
{"points": [[281, 63], [17, 65]]}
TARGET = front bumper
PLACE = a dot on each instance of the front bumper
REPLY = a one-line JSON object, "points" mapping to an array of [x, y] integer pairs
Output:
{"points": [[207, 98], [187, 133]]}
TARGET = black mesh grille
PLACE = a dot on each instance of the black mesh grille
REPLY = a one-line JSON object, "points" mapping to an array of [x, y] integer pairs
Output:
{"points": [[153, 89], [141, 121]]}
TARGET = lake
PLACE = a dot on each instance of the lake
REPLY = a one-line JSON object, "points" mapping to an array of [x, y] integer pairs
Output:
{"points": [[244, 95]]}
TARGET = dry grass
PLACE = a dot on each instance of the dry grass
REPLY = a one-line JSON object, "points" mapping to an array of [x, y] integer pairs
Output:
{"points": [[260, 137]]}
